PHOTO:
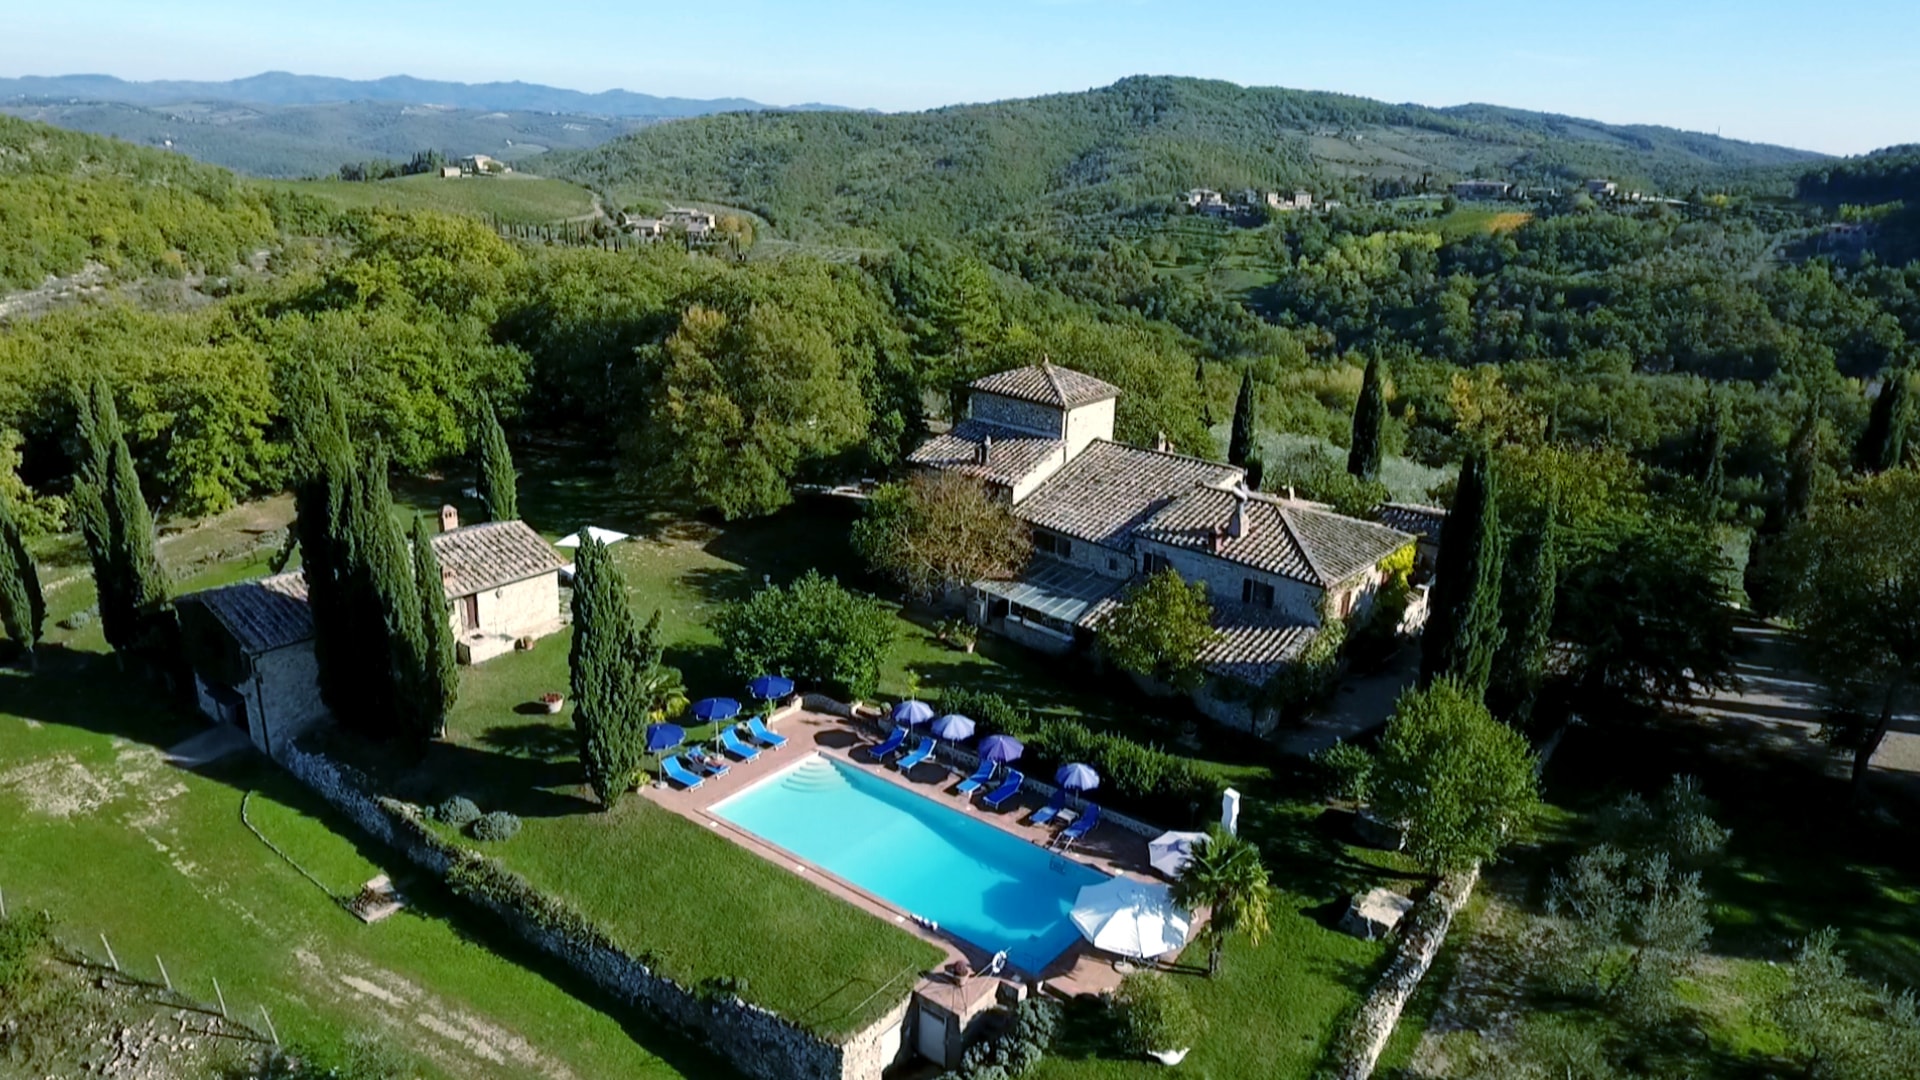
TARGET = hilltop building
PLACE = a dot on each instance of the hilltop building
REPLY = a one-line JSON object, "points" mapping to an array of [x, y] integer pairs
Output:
{"points": [[1482, 189], [251, 644], [1104, 514]]}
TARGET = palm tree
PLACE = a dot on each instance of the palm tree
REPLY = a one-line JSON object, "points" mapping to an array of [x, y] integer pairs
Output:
{"points": [[1225, 873]]}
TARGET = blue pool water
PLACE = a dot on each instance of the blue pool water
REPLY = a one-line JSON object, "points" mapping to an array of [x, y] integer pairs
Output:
{"points": [[977, 882]]}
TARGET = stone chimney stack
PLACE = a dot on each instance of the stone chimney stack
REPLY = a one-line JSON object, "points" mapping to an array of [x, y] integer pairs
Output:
{"points": [[982, 455], [1162, 443], [1237, 527], [449, 518], [1219, 539]]}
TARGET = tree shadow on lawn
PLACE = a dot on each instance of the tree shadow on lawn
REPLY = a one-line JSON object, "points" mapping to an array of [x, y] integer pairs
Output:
{"points": [[88, 691], [539, 741]]}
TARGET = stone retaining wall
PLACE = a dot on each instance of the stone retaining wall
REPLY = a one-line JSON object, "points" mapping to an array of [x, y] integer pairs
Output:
{"points": [[757, 1042], [1419, 941]]}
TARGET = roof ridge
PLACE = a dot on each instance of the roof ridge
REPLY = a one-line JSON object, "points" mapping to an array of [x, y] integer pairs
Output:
{"points": [[1300, 541], [1175, 454]]}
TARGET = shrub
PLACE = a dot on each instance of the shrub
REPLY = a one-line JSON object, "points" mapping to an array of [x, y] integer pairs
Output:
{"points": [[1017, 1050], [1159, 1015], [498, 825], [457, 811], [813, 631], [1349, 771], [992, 712], [1156, 783]]}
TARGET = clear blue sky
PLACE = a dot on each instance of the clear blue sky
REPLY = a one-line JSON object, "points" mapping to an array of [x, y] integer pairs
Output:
{"points": [[1841, 76]]}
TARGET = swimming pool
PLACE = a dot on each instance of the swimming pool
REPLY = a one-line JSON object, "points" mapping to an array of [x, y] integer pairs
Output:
{"points": [[974, 880]]}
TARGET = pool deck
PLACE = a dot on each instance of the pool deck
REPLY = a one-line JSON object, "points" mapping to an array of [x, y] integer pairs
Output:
{"points": [[1108, 848]]}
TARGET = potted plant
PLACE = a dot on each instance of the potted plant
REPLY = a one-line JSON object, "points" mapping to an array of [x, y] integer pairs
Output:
{"points": [[524, 643], [1161, 1021], [553, 702], [960, 634]]}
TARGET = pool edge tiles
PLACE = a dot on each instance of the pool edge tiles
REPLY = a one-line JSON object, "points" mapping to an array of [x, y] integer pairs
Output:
{"points": [[954, 872]]}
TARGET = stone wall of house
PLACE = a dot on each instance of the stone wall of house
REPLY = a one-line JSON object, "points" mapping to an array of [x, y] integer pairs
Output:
{"points": [[525, 608], [1087, 423], [286, 701], [1014, 413], [753, 1040], [1225, 579], [1038, 475], [1217, 703], [1098, 558]]}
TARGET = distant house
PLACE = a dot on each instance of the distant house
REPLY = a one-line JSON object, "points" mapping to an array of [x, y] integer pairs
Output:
{"points": [[1299, 200], [449, 172], [647, 228], [251, 644], [481, 165], [1206, 201], [1602, 188], [1103, 514], [1421, 522], [1482, 189]]}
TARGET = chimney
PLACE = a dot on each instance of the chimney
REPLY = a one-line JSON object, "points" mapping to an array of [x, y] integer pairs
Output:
{"points": [[449, 518], [1219, 539], [985, 451], [1161, 442], [1237, 527]]}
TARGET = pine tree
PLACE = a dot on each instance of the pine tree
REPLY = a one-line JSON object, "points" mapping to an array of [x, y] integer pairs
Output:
{"points": [[436, 626], [1463, 626], [23, 611], [1530, 594], [497, 484], [607, 717], [1240, 447], [1884, 443], [116, 525], [1369, 417]]}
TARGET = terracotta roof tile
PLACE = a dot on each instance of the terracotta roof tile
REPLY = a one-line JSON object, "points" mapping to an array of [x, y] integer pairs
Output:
{"points": [[1110, 489], [262, 615], [1013, 457], [1411, 518], [1300, 540], [1254, 644], [475, 558], [1048, 385]]}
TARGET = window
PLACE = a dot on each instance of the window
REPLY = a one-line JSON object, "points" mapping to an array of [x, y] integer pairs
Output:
{"points": [[1113, 564], [1053, 545], [1256, 593], [1346, 604], [1155, 562]]}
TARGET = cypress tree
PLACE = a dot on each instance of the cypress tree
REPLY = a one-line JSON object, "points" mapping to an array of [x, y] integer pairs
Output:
{"points": [[1884, 443], [23, 611], [497, 483], [393, 600], [1531, 591], [607, 719], [1710, 451], [116, 525], [1240, 446], [322, 496], [1463, 625], [436, 626], [1369, 416]]}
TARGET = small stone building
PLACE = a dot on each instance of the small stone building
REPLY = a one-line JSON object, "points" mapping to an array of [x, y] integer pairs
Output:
{"points": [[251, 644]]}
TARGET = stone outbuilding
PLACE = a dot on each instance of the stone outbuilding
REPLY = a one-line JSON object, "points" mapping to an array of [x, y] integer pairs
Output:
{"points": [[251, 644]]}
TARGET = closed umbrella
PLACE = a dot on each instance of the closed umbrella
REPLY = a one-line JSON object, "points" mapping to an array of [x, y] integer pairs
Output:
{"points": [[953, 727], [1077, 777], [770, 687], [1170, 851], [1135, 919], [911, 712], [1001, 749]]}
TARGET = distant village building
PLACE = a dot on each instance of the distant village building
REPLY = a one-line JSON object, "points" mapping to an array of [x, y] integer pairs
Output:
{"points": [[1103, 514], [482, 165], [1482, 189], [1602, 188], [449, 172], [251, 644], [698, 224], [646, 228]]}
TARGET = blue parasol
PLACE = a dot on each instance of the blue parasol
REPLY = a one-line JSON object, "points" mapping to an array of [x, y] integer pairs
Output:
{"points": [[716, 708], [953, 727], [770, 687], [664, 737], [911, 712], [1077, 777], [1001, 749]]}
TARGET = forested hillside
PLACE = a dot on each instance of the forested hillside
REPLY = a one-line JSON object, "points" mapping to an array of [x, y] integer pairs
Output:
{"points": [[864, 177], [67, 200]]}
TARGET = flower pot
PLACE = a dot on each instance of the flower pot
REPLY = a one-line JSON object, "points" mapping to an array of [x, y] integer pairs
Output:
{"points": [[554, 703]]}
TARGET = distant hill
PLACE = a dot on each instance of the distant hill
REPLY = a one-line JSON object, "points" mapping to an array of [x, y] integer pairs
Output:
{"points": [[283, 88], [314, 140], [853, 176]]}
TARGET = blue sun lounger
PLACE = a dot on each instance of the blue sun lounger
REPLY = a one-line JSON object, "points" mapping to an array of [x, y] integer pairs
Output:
{"points": [[737, 748], [1081, 826], [707, 763], [979, 778], [680, 774], [920, 754], [1054, 806], [1007, 790], [761, 733], [892, 743]]}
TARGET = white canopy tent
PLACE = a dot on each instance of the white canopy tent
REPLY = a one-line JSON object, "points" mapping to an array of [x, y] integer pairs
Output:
{"points": [[1135, 919], [605, 536]]}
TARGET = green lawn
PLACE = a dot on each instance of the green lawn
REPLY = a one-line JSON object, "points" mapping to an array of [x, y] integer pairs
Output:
{"points": [[516, 198], [110, 840]]}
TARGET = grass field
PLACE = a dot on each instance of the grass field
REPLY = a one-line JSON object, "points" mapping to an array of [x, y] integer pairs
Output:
{"points": [[516, 198], [1474, 220]]}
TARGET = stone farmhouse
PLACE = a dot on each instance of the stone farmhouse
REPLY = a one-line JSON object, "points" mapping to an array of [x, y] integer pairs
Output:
{"points": [[251, 644], [1104, 514]]}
